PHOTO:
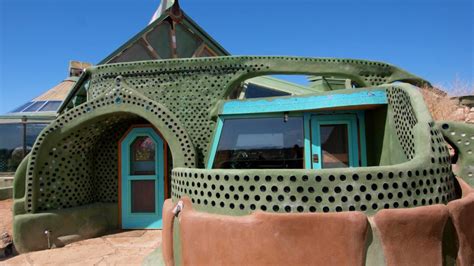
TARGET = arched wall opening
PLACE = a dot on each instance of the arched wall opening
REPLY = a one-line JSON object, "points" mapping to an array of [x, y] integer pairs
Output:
{"points": [[63, 169], [75, 176], [85, 163]]}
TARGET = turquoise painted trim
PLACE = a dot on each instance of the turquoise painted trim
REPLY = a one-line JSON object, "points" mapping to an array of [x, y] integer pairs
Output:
{"points": [[309, 146], [307, 140], [330, 119], [315, 144], [142, 220], [288, 104], [215, 142], [362, 139]]}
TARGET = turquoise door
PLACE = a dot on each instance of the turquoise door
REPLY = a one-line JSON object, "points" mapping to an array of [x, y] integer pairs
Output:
{"points": [[142, 183], [334, 141]]}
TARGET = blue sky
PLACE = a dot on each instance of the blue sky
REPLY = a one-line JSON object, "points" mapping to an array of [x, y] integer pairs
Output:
{"points": [[431, 38]]}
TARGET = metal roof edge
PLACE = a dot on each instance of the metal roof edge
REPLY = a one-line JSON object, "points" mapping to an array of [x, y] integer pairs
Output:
{"points": [[204, 34], [31, 116], [74, 89]]}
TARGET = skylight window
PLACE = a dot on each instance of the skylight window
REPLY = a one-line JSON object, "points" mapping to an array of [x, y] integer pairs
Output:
{"points": [[21, 108], [39, 106], [34, 107], [50, 106]]}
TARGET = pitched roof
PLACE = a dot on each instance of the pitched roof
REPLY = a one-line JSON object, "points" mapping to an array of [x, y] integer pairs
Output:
{"points": [[164, 5], [45, 104], [58, 92], [177, 23]]}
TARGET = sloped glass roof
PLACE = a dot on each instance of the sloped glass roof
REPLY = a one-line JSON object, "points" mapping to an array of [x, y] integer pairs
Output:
{"points": [[38, 106], [48, 102]]}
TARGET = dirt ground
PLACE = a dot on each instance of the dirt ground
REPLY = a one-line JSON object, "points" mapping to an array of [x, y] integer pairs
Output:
{"points": [[122, 248], [6, 216]]}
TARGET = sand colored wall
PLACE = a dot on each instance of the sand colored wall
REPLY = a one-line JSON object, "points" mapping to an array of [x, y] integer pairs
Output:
{"points": [[462, 216], [273, 239], [412, 236], [428, 235]]}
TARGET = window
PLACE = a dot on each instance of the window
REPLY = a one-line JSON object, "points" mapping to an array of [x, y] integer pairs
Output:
{"points": [[11, 146], [50, 106], [19, 109], [334, 146], [40, 106], [335, 141], [32, 132], [254, 91], [255, 143], [12, 143], [34, 107], [142, 156], [312, 141], [205, 52]]}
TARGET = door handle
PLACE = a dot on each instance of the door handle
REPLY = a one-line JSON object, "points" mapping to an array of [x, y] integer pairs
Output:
{"points": [[315, 158]]}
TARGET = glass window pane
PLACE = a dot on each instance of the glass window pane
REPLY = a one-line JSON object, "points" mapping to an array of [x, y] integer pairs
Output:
{"points": [[51, 106], [142, 156], [32, 132], [206, 52], [143, 196], [136, 52], [335, 146], [261, 143], [20, 108], [186, 41], [11, 146], [254, 91], [34, 107], [160, 39]]}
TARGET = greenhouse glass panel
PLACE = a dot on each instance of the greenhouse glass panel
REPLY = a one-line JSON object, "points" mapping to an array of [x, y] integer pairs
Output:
{"points": [[34, 107], [11, 146], [51, 106]]}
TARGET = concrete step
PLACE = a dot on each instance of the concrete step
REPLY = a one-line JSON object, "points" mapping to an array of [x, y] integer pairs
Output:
{"points": [[6, 182]]}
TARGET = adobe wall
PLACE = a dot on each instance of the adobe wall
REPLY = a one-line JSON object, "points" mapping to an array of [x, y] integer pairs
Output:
{"points": [[444, 107], [464, 111]]}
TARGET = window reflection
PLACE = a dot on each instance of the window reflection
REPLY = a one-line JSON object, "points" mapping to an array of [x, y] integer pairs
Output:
{"points": [[32, 132], [11, 146], [51, 106], [261, 143], [34, 107], [13, 141], [255, 91], [335, 146]]}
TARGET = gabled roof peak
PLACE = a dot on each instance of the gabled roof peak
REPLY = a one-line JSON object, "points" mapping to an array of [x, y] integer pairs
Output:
{"points": [[165, 5]]}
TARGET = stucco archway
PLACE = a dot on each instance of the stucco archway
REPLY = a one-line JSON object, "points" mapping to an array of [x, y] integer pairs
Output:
{"points": [[65, 153]]}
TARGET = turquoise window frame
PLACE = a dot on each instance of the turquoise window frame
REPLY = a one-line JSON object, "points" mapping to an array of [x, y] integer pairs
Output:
{"points": [[375, 96], [148, 220], [359, 124], [358, 136], [215, 142], [304, 105], [318, 120]]}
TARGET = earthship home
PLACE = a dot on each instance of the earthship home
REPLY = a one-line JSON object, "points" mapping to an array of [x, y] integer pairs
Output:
{"points": [[350, 170]]}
